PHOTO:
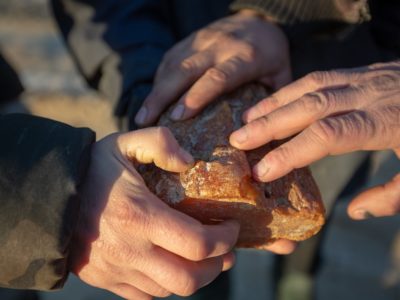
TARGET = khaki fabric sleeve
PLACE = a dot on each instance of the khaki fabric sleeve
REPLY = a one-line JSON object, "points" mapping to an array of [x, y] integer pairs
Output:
{"points": [[297, 11]]}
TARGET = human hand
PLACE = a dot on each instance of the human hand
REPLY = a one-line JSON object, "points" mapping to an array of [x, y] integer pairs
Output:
{"points": [[130, 242], [217, 59], [379, 201], [331, 112]]}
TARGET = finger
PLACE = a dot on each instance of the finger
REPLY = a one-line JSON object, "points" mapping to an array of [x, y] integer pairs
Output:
{"points": [[330, 136], [155, 145], [173, 58], [129, 292], [313, 82], [380, 201], [146, 285], [228, 261], [261, 109], [397, 152], [188, 238], [217, 80], [180, 276], [170, 85], [282, 247], [295, 116]]}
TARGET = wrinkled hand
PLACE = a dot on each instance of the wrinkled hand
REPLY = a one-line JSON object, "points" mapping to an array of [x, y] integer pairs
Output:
{"points": [[130, 242], [217, 59], [332, 113]]}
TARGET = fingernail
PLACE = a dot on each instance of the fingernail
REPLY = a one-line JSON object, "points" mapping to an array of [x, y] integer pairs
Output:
{"points": [[240, 136], [141, 115], [261, 169], [177, 113], [361, 214], [187, 157]]}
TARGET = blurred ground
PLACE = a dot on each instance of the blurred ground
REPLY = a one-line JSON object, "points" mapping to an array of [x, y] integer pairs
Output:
{"points": [[31, 43]]}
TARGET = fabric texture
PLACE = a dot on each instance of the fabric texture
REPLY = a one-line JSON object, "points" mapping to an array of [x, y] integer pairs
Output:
{"points": [[42, 162], [296, 11]]}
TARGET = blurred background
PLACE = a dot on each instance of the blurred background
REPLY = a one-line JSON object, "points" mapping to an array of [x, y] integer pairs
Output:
{"points": [[31, 43]]}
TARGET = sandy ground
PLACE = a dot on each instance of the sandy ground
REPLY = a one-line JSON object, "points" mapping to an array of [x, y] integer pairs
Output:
{"points": [[54, 89]]}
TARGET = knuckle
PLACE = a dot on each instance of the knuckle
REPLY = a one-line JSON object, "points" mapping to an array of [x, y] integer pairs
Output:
{"points": [[376, 66], [230, 36], [325, 132], [125, 212], [127, 215], [218, 75], [315, 102], [249, 52], [188, 67], [281, 155], [206, 34], [317, 78], [384, 82], [360, 125], [261, 123], [389, 116], [142, 155]]}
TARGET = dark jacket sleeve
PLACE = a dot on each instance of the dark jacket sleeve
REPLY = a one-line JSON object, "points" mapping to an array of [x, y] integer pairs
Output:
{"points": [[42, 163], [118, 45], [10, 85], [295, 11]]}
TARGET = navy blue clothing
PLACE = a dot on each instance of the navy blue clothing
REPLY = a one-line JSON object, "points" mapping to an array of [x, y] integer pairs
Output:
{"points": [[118, 45]]}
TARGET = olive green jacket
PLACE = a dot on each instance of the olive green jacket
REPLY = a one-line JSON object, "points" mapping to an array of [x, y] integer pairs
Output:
{"points": [[42, 163]]}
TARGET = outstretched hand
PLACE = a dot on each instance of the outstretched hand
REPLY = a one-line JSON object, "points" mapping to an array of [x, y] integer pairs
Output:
{"points": [[330, 113], [130, 242], [217, 59]]}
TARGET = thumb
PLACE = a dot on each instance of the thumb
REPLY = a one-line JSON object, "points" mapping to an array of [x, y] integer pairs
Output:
{"points": [[155, 145], [379, 201]]}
